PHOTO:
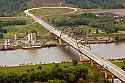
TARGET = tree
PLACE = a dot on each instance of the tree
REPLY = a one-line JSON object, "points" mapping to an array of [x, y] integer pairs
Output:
{"points": [[75, 62], [56, 81], [88, 15], [1, 35], [24, 78], [9, 8], [10, 77], [124, 62], [39, 67], [123, 68], [97, 31], [97, 3], [3, 30]]}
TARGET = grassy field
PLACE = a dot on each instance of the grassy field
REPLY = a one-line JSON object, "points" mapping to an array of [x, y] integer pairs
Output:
{"points": [[30, 26], [24, 69], [51, 11], [119, 62], [22, 30]]}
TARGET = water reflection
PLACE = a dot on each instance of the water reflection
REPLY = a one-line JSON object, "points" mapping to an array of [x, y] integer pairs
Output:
{"points": [[58, 55], [110, 51], [44, 55]]}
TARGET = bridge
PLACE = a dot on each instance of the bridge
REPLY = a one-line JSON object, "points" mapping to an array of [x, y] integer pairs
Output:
{"points": [[107, 65]]}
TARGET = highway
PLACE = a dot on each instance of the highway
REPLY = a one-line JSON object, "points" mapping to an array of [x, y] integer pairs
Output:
{"points": [[119, 73]]}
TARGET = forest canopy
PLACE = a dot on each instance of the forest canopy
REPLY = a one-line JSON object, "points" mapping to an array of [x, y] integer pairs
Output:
{"points": [[12, 7], [109, 4]]}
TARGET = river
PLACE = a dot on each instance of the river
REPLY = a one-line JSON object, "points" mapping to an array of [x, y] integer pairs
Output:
{"points": [[110, 51], [57, 54], [35, 56]]}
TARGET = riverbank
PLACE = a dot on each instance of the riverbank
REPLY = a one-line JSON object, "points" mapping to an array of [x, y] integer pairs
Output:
{"points": [[51, 73], [29, 47], [119, 62]]}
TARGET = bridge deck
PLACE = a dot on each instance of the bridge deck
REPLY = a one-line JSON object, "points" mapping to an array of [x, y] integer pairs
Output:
{"points": [[119, 73]]}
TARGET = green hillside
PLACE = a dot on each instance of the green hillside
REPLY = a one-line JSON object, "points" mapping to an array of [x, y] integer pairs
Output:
{"points": [[12, 7], [112, 4]]}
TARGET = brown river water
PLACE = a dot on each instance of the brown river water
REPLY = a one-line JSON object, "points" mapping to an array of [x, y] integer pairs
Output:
{"points": [[34, 56], [57, 54]]}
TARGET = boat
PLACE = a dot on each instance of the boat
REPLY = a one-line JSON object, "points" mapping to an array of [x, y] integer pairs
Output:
{"points": [[31, 47], [6, 49]]}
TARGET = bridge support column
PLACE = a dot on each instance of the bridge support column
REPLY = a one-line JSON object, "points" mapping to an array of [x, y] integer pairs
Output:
{"points": [[91, 62], [60, 41], [112, 77], [109, 76], [105, 74]]}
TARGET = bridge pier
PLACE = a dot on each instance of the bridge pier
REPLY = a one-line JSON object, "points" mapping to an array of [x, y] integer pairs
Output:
{"points": [[107, 75], [60, 41], [112, 78], [57, 39], [91, 63]]}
